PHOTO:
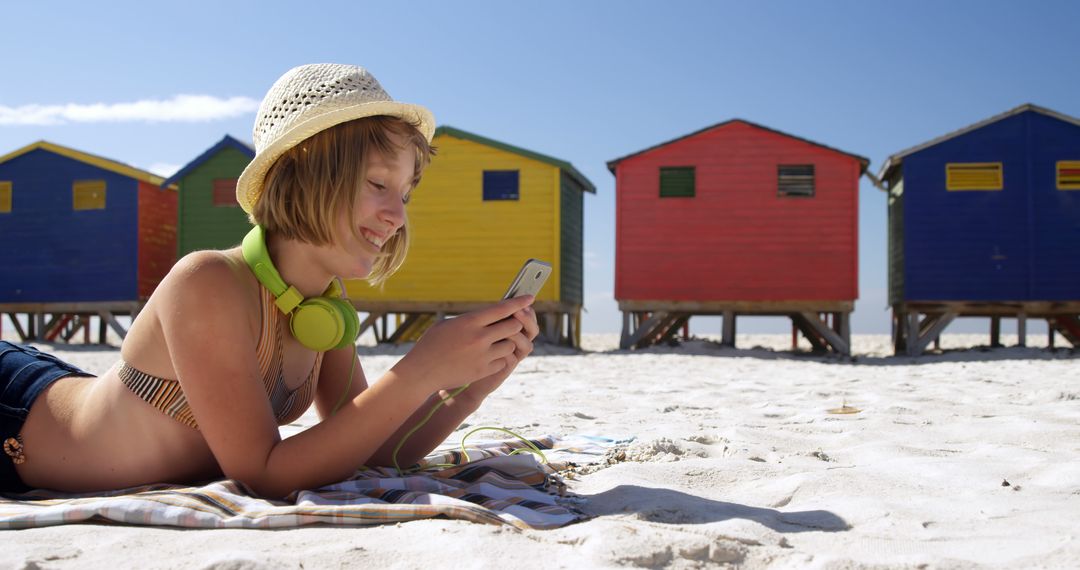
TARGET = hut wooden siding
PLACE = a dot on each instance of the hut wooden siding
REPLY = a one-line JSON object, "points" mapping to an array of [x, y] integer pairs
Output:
{"points": [[992, 250], [204, 224], [737, 239], [66, 255], [465, 250], [572, 230], [157, 236], [1018, 243]]}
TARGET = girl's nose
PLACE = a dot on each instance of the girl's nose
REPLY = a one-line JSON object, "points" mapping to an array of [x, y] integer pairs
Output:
{"points": [[392, 211]]}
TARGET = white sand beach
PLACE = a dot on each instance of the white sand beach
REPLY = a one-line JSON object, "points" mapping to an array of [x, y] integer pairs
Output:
{"points": [[961, 459]]}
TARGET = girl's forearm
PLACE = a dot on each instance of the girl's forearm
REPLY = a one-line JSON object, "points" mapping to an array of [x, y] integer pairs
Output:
{"points": [[446, 419], [335, 448]]}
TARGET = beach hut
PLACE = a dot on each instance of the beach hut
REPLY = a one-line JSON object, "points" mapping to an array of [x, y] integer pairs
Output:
{"points": [[209, 216], [985, 222], [482, 208], [737, 219], [83, 235]]}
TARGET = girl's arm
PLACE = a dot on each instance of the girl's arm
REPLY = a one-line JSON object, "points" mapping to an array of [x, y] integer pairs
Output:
{"points": [[453, 412], [448, 415], [210, 342]]}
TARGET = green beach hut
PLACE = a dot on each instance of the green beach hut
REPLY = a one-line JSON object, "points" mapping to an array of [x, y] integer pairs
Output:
{"points": [[208, 215]]}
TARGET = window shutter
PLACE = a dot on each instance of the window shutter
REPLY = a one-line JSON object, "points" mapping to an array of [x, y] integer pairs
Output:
{"points": [[88, 194], [501, 185], [973, 176], [5, 196], [225, 192], [795, 180], [1068, 175], [677, 182]]}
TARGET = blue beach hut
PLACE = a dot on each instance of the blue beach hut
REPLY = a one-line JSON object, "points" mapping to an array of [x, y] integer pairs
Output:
{"points": [[83, 235], [985, 222]]}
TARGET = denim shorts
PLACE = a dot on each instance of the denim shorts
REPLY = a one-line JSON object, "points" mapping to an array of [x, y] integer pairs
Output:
{"points": [[25, 372]]}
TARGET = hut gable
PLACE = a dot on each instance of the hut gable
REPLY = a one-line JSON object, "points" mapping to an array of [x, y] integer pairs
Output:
{"points": [[737, 212]]}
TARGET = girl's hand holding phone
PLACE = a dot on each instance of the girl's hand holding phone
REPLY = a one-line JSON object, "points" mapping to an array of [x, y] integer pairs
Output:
{"points": [[475, 345]]}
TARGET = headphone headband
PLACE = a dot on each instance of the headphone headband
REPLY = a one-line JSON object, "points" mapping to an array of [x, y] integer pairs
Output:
{"points": [[258, 259]]}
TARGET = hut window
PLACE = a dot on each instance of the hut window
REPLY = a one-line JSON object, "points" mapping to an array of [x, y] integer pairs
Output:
{"points": [[88, 194], [225, 192], [795, 180], [501, 185], [973, 176], [1068, 175], [5, 196], [677, 182]]}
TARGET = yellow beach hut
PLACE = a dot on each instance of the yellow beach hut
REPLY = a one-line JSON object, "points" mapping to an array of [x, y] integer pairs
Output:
{"points": [[482, 208]]}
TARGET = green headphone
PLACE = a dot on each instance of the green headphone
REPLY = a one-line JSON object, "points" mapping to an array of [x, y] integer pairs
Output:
{"points": [[319, 323]]}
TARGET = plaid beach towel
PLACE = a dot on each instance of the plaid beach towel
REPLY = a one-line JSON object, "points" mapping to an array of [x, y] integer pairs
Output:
{"points": [[492, 487]]}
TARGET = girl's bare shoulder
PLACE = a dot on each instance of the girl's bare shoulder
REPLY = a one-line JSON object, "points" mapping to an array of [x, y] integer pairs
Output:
{"points": [[219, 276]]}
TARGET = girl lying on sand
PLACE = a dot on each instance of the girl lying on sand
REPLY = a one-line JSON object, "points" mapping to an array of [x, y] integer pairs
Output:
{"points": [[234, 343]]}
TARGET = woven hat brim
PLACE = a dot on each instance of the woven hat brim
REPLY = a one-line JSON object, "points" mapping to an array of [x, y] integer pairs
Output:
{"points": [[249, 186]]}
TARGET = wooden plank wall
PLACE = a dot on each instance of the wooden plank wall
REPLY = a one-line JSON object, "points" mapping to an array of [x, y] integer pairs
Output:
{"points": [[736, 239]]}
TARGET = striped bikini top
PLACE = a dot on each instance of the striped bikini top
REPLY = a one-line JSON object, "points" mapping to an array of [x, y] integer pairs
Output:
{"points": [[167, 396]]}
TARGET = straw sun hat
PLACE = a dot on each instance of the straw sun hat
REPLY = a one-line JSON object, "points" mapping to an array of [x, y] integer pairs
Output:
{"points": [[312, 98]]}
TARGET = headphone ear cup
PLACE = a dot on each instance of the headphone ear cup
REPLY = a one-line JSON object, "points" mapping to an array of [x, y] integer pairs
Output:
{"points": [[350, 320], [318, 324]]}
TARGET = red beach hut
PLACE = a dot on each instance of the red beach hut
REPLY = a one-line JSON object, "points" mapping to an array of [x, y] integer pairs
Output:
{"points": [[737, 219]]}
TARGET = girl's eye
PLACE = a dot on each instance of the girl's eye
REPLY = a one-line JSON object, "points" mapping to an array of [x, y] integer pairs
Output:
{"points": [[377, 186], [405, 199]]}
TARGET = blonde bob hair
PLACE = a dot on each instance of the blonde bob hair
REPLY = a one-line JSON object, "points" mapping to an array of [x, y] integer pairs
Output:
{"points": [[308, 185]]}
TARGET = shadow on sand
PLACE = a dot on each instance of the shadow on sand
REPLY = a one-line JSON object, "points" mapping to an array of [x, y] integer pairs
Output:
{"points": [[674, 507]]}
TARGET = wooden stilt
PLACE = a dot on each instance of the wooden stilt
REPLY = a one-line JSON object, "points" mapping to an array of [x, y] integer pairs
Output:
{"points": [[845, 330], [804, 323], [627, 331], [111, 320], [995, 332], [819, 332], [728, 336], [1021, 329], [18, 326], [911, 333], [640, 337]]}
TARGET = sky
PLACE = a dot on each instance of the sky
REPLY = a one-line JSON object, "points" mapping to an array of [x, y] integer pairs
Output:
{"points": [[155, 84]]}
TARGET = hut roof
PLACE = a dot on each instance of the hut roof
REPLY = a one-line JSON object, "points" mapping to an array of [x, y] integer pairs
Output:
{"points": [[865, 162], [562, 164], [226, 142], [93, 160], [895, 160]]}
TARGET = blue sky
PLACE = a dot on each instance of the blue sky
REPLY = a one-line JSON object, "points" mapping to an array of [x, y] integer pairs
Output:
{"points": [[583, 81]]}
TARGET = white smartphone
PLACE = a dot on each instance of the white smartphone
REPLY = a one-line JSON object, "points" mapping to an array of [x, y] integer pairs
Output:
{"points": [[529, 279]]}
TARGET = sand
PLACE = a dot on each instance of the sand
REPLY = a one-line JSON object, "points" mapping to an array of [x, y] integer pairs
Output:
{"points": [[961, 459]]}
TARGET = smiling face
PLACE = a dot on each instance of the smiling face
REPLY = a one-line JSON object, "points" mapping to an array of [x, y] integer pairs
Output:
{"points": [[378, 210], [351, 209]]}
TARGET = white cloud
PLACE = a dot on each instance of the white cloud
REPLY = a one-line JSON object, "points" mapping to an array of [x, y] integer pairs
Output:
{"points": [[179, 108], [164, 169]]}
